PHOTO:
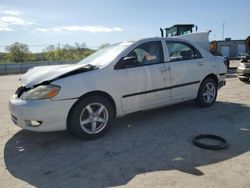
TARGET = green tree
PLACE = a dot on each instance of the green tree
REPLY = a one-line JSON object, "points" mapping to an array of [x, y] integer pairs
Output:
{"points": [[18, 52], [51, 53], [103, 45]]}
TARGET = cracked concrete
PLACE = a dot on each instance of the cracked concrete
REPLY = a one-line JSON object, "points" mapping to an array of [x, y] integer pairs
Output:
{"points": [[145, 149]]}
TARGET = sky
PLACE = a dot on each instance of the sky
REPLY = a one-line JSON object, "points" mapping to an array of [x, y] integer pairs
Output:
{"points": [[95, 22]]}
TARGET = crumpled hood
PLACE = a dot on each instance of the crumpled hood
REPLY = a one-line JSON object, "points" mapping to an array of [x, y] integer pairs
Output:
{"points": [[41, 74]]}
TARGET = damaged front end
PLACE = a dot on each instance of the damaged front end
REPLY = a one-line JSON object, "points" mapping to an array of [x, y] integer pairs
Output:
{"points": [[44, 89]]}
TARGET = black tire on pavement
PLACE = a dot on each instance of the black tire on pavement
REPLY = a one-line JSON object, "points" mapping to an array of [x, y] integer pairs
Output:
{"points": [[244, 79], [222, 142], [201, 99], [81, 109]]}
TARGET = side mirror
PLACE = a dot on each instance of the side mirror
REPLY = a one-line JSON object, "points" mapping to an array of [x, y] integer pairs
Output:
{"points": [[127, 62]]}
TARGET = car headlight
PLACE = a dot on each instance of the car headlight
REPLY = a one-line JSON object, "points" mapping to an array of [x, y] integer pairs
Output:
{"points": [[242, 65], [41, 92]]}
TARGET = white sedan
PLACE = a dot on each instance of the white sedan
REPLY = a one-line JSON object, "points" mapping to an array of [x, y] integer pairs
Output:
{"points": [[122, 78]]}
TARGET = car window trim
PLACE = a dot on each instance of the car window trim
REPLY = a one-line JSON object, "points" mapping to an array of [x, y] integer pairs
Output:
{"points": [[143, 65]]}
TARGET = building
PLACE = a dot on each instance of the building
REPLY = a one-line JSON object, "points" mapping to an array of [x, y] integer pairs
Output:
{"points": [[231, 48], [227, 48]]}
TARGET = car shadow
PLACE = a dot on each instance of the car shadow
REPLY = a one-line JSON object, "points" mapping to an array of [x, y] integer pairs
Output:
{"points": [[143, 142]]}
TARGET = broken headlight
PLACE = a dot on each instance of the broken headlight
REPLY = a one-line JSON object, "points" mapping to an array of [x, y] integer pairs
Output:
{"points": [[41, 92]]}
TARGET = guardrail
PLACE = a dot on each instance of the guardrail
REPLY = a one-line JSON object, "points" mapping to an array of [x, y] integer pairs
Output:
{"points": [[16, 68]]}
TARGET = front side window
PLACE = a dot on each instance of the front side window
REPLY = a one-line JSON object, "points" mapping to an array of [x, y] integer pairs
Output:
{"points": [[180, 51], [148, 53]]}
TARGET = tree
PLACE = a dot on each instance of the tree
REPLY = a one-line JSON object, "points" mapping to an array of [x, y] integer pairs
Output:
{"points": [[18, 52], [103, 45], [51, 53]]}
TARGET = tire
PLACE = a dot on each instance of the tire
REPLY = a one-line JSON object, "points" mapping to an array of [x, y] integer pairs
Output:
{"points": [[207, 98], [222, 145], [244, 79], [90, 117]]}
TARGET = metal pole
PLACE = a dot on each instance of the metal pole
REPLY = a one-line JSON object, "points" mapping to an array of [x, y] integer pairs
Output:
{"points": [[223, 28]]}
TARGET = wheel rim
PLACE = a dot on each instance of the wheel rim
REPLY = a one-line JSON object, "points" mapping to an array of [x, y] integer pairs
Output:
{"points": [[94, 118], [209, 92]]}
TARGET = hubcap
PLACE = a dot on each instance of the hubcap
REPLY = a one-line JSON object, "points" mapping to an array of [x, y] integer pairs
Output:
{"points": [[94, 118], [209, 92]]}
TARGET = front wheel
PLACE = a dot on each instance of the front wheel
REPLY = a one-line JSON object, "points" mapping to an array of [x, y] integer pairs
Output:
{"points": [[91, 117], [207, 93]]}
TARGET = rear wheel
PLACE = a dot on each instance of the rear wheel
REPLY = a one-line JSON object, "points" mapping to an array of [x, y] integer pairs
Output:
{"points": [[207, 93], [91, 117]]}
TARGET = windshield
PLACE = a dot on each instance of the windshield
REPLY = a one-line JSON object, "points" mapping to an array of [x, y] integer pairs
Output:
{"points": [[106, 55]]}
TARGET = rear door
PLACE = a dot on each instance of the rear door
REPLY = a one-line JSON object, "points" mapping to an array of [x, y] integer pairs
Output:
{"points": [[187, 69]]}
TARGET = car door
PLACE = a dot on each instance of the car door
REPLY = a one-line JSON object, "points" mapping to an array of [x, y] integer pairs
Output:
{"points": [[142, 83], [187, 69]]}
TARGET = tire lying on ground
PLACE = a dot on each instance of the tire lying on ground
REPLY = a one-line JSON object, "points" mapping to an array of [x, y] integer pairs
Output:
{"points": [[197, 141]]}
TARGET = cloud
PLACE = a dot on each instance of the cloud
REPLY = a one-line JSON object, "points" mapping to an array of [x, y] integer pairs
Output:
{"points": [[117, 29], [12, 12], [92, 29], [4, 27], [6, 22], [42, 29], [12, 20]]}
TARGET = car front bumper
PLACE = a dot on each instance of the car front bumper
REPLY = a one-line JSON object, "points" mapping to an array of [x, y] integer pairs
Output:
{"points": [[243, 72], [50, 115]]}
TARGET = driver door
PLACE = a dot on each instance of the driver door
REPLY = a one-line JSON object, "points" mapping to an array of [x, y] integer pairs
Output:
{"points": [[143, 84]]}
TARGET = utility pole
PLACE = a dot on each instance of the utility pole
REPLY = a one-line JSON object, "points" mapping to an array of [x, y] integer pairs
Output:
{"points": [[223, 28], [59, 52]]}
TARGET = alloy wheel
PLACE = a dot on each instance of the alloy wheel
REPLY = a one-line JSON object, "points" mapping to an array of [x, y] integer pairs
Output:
{"points": [[94, 118], [209, 92]]}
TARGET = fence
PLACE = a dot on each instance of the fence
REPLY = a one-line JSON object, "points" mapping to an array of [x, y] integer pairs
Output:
{"points": [[16, 68]]}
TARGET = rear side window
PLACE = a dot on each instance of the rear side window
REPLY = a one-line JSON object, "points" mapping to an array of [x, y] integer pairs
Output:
{"points": [[179, 51]]}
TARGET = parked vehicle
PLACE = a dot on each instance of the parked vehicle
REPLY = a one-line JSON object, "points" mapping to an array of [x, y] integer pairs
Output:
{"points": [[243, 69], [119, 79], [242, 56]]}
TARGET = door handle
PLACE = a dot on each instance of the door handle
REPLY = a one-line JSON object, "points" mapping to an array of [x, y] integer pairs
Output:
{"points": [[200, 63], [163, 69]]}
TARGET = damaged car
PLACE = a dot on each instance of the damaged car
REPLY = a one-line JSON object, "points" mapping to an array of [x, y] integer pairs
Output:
{"points": [[122, 78]]}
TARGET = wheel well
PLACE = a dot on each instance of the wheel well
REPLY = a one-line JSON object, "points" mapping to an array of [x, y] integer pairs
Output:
{"points": [[213, 76], [92, 93], [103, 94]]}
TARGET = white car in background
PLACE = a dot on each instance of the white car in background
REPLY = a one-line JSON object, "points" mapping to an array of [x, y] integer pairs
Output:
{"points": [[119, 79]]}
